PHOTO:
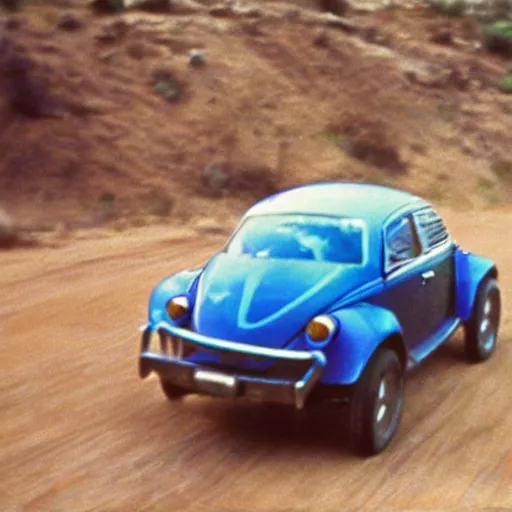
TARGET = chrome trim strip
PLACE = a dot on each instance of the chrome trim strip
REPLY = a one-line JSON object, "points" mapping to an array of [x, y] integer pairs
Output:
{"points": [[305, 385], [216, 343]]}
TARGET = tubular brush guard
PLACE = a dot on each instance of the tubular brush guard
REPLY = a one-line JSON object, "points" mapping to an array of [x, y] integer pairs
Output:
{"points": [[206, 378]]}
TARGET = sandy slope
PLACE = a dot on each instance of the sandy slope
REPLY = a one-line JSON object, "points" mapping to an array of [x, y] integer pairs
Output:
{"points": [[275, 99], [80, 431]]}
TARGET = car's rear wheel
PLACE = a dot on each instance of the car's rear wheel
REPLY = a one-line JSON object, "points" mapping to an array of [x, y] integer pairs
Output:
{"points": [[171, 391], [481, 331], [377, 403]]}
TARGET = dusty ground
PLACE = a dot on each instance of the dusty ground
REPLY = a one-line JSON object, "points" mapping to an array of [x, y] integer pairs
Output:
{"points": [[80, 431]]}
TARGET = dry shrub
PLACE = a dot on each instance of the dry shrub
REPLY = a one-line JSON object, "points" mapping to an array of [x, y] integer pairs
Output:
{"points": [[159, 202], [369, 141], [107, 6], [238, 179], [338, 7]]}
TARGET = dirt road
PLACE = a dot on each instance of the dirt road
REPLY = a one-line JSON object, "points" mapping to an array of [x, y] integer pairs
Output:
{"points": [[80, 431]]}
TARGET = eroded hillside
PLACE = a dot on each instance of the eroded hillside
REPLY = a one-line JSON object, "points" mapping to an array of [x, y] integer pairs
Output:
{"points": [[207, 107]]}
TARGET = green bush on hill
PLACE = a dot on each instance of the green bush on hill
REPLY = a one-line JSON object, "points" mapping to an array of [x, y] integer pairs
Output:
{"points": [[506, 84], [498, 37]]}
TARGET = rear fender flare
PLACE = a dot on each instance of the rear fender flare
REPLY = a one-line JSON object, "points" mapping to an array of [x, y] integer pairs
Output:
{"points": [[470, 271]]}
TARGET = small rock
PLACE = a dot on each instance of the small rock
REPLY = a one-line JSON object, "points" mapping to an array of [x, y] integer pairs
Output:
{"points": [[69, 22], [196, 58], [167, 86], [342, 23], [216, 179], [107, 56]]}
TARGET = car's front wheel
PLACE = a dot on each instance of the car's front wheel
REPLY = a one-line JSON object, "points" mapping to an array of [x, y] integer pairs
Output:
{"points": [[481, 331], [171, 391], [377, 403]]}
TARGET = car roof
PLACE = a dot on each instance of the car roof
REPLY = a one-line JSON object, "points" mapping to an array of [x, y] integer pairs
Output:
{"points": [[373, 203]]}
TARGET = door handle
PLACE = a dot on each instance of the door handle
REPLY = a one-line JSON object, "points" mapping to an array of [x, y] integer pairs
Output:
{"points": [[425, 276]]}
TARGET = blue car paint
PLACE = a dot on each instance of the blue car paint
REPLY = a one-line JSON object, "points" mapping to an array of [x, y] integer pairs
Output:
{"points": [[372, 203], [266, 302], [470, 270], [362, 328], [269, 302]]}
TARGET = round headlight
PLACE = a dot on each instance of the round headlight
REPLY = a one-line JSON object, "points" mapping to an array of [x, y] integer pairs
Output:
{"points": [[321, 328], [177, 307]]}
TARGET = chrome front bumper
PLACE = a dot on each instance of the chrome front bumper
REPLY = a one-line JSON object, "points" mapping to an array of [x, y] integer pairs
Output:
{"points": [[209, 379]]}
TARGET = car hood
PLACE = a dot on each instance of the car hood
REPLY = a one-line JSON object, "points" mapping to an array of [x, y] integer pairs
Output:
{"points": [[266, 301]]}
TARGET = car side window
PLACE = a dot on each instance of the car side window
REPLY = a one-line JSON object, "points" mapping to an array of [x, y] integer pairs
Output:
{"points": [[401, 241], [431, 228]]}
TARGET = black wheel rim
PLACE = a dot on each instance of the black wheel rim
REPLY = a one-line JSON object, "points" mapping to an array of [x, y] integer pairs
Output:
{"points": [[388, 405], [489, 320]]}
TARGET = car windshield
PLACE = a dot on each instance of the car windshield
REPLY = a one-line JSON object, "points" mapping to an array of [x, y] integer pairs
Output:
{"points": [[302, 237]]}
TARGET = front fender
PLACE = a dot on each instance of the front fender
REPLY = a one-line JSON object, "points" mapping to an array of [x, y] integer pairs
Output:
{"points": [[470, 270], [362, 329], [181, 283]]}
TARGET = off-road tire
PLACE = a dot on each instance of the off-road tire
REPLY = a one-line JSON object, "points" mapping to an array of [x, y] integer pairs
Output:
{"points": [[171, 391], [481, 330], [380, 388]]}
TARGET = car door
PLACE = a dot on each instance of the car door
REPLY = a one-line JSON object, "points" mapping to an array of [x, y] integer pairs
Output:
{"points": [[439, 253], [406, 273]]}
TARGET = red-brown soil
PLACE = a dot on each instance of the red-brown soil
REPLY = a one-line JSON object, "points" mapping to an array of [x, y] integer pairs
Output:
{"points": [[268, 105]]}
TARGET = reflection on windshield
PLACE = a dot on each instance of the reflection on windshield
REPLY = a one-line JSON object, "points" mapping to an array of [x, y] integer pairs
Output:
{"points": [[304, 237]]}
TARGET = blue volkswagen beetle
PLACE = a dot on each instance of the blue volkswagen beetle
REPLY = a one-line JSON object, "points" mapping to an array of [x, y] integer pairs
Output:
{"points": [[329, 291]]}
